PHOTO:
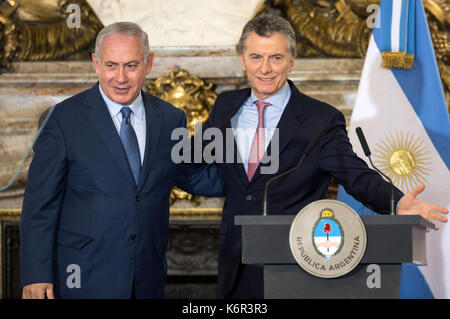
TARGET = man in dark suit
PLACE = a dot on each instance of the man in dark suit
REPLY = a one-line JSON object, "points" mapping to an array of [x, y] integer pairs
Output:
{"points": [[267, 53], [96, 207]]}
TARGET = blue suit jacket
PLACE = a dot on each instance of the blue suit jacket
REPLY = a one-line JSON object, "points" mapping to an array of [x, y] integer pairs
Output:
{"points": [[333, 156], [82, 207]]}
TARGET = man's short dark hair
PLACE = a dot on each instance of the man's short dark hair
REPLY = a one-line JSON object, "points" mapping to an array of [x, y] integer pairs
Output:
{"points": [[123, 28], [265, 25]]}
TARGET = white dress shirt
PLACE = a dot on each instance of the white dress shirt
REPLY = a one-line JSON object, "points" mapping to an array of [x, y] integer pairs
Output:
{"points": [[137, 118], [245, 121]]}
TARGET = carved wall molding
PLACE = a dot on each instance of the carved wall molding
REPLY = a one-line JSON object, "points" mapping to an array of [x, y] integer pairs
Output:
{"points": [[9, 214]]}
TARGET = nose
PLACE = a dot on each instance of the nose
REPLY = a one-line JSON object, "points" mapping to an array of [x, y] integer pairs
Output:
{"points": [[266, 67], [121, 75]]}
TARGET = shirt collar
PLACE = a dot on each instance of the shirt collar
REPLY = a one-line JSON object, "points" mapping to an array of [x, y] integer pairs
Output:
{"points": [[278, 100], [137, 106]]}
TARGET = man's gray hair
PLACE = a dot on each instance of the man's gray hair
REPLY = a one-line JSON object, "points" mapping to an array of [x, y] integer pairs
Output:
{"points": [[265, 25], [123, 28]]}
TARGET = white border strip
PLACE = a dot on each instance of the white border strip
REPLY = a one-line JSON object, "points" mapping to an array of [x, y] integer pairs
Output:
{"points": [[395, 25]]}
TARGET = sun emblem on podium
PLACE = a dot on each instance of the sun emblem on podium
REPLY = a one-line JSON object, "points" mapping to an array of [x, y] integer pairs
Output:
{"points": [[404, 158]]}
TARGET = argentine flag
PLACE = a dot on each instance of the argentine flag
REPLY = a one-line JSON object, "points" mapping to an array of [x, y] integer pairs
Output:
{"points": [[401, 108]]}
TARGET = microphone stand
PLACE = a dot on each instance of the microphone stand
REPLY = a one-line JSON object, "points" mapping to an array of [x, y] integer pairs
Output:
{"points": [[367, 152], [392, 186], [277, 177], [307, 151]]}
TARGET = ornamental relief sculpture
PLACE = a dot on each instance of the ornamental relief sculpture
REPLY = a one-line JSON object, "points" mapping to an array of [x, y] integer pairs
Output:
{"points": [[192, 95], [36, 30]]}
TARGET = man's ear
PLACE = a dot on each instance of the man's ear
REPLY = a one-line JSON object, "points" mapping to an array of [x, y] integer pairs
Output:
{"points": [[96, 63], [149, 63], [244, 68], [291, 63]]}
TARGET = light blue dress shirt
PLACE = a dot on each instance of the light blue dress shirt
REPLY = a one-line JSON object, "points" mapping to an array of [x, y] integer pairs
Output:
{"points": [[245, 121], [137, 118]]}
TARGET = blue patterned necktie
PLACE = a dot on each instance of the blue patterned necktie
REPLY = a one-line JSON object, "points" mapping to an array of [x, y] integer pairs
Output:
{"points": [[130, 143]]}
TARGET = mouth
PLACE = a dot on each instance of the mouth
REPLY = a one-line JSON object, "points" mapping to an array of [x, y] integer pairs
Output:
{"points": [[120, 90], [266, 79]]}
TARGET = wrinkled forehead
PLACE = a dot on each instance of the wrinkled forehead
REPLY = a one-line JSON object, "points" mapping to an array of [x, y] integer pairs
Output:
{"points": [[122, 47], [273, 43]]}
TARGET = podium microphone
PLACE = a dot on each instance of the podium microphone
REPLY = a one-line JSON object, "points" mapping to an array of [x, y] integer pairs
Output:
{"points": [[367, 152], [312, 144]]}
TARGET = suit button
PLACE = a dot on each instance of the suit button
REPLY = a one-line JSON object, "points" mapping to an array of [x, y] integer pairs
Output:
{"points": [[138, 198], [249, 197], [133, 237]]}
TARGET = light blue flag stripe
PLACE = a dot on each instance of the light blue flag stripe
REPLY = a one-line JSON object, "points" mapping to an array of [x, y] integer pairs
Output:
{"points": [[411, 27], [412, 284], [385, 17], [404, 26]]}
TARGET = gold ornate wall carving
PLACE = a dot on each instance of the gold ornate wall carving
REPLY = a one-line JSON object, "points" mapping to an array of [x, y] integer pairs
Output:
{"points": [[192, 95], [37, 30], [187, 92]]}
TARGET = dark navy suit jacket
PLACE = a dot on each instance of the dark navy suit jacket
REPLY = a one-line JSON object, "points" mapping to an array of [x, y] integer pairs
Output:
{"points": [[333, 156], [82, 207]]}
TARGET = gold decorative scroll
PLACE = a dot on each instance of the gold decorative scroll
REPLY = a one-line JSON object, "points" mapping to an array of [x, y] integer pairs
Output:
{"points": [[326, 28], [192, 95], [37, 30], [187, 92]]}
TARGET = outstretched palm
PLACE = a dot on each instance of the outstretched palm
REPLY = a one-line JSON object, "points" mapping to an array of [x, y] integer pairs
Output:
{"points": [[409, 204]]}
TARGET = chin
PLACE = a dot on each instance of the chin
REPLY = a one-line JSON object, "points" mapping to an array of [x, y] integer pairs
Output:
{"points": [[122, 100], [267, 92]]}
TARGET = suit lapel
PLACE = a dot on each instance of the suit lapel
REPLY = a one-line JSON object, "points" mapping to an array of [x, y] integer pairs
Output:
{"points": [[291, 119], [98, 115], [288, 125], [154, 119]]}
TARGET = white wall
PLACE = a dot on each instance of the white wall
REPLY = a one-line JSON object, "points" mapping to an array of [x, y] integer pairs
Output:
{"points": [[181, 22]]}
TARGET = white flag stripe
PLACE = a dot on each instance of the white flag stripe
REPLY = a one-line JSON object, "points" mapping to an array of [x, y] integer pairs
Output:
{"points": [[395, 25]]}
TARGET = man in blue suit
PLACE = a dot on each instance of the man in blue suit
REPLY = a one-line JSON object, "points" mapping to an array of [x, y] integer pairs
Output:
{"points": [[267, 52], [96, 207]]}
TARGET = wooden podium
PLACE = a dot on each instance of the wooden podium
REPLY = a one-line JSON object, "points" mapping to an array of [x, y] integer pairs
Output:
{"points": [[391, 241]]}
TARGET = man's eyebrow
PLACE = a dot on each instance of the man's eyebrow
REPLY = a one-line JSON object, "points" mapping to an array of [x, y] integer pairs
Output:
{"points": [[129, 62], [275, 54]]}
